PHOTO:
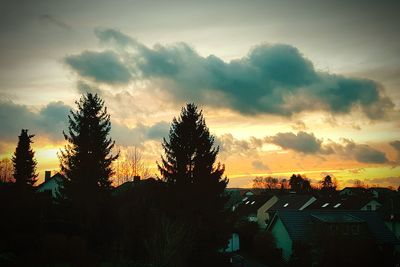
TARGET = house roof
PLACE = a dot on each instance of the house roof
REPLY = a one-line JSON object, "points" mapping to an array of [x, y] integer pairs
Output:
{"points": [[382, 190], [291, 202], [336, 218], [234, 197], [355, 190], [297, 223], [57, 177], [251, 204], [127, 186], [337, 203]]}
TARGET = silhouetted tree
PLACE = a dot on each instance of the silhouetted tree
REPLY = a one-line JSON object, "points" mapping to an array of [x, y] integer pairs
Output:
{"points": [[299, 184], [188, 167], [86, 160], [283, 184], [328, 184], [24, 162], [86, 163], [295, 182]]}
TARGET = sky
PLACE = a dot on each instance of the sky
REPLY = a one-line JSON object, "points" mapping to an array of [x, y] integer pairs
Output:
{"points": [[308, 87]]}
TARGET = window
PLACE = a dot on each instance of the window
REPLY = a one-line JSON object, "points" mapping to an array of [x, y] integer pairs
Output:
{"points": [[252, 202], [325, 205], [287, 204], [247, 202], [337, 205]]}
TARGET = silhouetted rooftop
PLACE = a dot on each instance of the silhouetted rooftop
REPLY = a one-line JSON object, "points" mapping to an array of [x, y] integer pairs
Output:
{"points": [[298, 223]]}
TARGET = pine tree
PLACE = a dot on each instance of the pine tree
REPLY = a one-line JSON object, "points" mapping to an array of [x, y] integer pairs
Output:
{"points": [[86, 160], [189, 168], [24, 162]]}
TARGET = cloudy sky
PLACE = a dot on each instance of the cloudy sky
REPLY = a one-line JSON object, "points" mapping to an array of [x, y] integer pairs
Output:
{"points": [[309, 87]]}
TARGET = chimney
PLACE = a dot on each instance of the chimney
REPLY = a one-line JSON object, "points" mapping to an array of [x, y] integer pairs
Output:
{"points": [[47, 175], [136, 178]]}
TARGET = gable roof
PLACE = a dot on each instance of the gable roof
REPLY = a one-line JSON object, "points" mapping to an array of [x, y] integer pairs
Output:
{"points": [[337, 203], [251, 204], [297, 223], [353, 190], [292, 202], [58, 177]]}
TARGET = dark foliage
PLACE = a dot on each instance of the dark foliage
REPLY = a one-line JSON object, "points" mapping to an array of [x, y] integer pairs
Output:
{"points": [[195, 180], [24, 162], [86, 160], [299, 184], [327, 184], [86, 164]]}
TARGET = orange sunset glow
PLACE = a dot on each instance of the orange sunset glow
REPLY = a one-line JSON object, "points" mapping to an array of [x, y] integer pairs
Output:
{"points": [[277, 100]]}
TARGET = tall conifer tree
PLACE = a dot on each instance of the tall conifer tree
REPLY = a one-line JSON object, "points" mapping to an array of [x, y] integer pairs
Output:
{"points": [[86, 160], [189, 167], [24, 162]]}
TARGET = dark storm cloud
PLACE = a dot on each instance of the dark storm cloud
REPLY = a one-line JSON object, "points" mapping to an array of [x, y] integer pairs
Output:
{"points": [[367, 154], [50, 121], [302, 142], [103, 67], [271, 79], [307, 143]]}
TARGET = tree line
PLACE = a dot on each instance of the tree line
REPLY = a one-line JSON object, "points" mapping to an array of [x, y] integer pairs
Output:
{"points": [[297, 183], [177, 219]]}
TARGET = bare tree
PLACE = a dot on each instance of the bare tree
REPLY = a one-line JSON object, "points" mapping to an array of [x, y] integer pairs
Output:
{"points": [[6, 170], [359, 184], [129, 165], [266, 183]]}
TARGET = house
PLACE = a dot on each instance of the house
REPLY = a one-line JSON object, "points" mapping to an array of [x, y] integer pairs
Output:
{"points": [[234, 198], [293, 228], [233, 244], [51, 184], [254, 208], [390, 213], [263, 217], [381, 193], [291, 201], [353, 191], [348, 203]]}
